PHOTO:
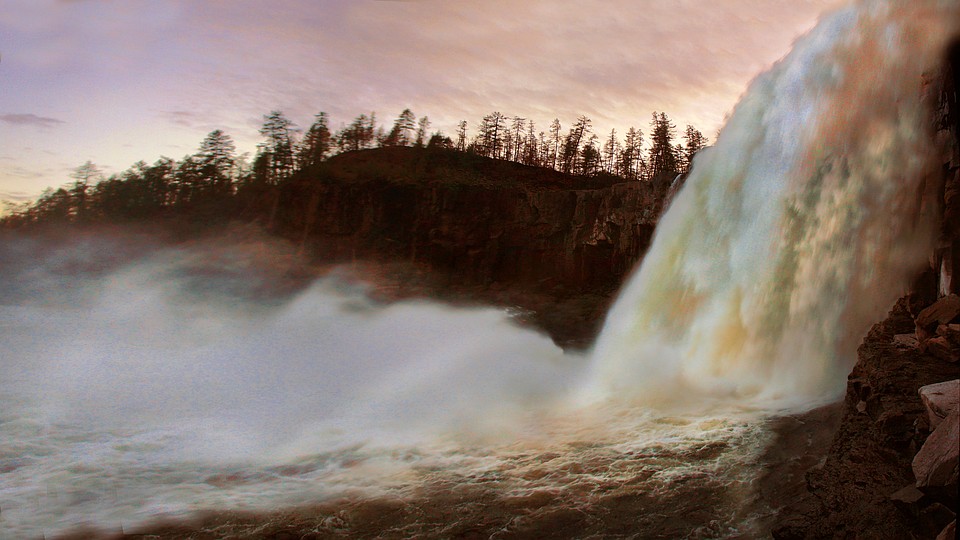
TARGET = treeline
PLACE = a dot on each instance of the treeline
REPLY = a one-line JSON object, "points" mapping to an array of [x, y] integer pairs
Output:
{"points": [[579, 151], [216, 182]]}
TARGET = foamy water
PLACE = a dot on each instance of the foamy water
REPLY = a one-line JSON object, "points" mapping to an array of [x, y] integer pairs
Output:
{"points": [[162, 383], [155, 390]]}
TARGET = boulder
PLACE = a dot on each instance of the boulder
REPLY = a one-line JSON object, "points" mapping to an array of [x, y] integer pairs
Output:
{"points": [[943, 311], [907, 341], [908, 498], [936, 518], [949, 532], [950, 331], [936, 462], [942, 349], [940, 400]]}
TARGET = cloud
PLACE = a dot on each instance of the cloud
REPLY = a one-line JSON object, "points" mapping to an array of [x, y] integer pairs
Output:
{"points": [[615, 62], [14, 201], [16, 196], [28, 119], [131, 72], [181, 118]]}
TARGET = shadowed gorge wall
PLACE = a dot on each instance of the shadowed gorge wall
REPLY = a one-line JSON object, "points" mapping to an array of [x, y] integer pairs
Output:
{"points": [[483, 222]]}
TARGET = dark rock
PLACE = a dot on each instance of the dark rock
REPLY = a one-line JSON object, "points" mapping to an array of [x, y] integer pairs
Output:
{"points": [[949, 532], [908, 499], [950, 331], [936, 517], [942, 349], [848, 494]]}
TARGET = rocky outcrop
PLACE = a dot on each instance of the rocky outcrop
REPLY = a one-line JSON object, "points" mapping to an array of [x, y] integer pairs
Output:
{"points": [[939, 313]]}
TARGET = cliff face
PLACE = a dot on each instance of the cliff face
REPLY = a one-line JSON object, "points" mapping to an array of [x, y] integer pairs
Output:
{"points": [[459, 227], [530, 232], [578, 239]]}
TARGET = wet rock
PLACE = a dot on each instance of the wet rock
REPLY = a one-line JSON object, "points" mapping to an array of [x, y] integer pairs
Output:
{"points": [[936, 462], [949, 532], [940, 400], [936, 518], [942, 349]]}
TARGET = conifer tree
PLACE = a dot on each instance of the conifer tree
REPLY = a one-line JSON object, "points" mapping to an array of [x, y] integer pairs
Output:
{"points": [[663, 159], [695, 141], [462, 136], [277, 150], [422, 126], [401, 134], [610, 149], [631, 156], [215, 161], [554, 143], [316, 143], [571, 145]]}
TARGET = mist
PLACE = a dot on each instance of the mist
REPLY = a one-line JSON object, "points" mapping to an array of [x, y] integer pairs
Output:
{"points": [[161, 342]]}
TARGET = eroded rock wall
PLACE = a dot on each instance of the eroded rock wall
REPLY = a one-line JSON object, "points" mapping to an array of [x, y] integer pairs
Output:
{"points": [[542, 238]]}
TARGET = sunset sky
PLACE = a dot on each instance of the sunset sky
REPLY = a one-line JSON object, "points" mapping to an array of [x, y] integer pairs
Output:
{"points": [[116, 81]]}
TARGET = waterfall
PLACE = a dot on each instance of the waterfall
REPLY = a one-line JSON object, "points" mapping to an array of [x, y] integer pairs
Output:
{"points": [[798, 229]]}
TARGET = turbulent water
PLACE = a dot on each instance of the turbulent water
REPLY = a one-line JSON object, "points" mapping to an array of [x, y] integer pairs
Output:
{"points": [[175, 380]]}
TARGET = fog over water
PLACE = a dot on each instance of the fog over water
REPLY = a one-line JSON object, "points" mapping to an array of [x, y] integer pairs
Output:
{"points": [[174, 379]]}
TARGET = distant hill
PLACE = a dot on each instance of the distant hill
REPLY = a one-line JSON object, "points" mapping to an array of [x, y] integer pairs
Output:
{"points": [[408, 165]]}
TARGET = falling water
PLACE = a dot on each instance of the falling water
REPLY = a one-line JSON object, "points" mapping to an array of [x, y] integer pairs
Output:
{"points": [[798, 228], [164, 383]]}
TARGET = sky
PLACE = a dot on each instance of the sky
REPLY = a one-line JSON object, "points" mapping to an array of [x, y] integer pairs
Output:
{"points": [[118, 81]]}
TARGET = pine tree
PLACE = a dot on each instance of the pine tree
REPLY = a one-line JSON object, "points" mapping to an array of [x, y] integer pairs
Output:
{"points": [[631, 155], [215, 161], [695, 142], [422, 126], [590, 157], [491, 135], [84, 177], [316, 143], [663, 159], [531, 151], [462, 136], [571, 146], [610, 153], [277, 150], [554, 143], [517, 133]]}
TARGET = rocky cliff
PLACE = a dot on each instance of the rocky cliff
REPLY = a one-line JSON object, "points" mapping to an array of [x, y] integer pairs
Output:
{"points": [[491, 230]]}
